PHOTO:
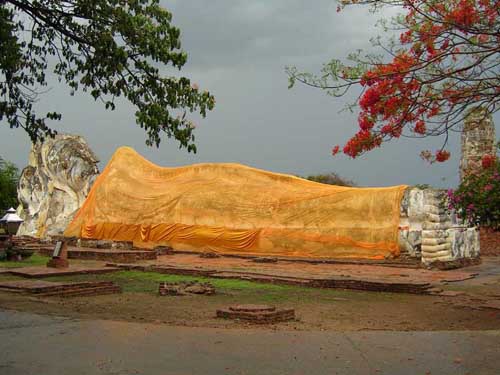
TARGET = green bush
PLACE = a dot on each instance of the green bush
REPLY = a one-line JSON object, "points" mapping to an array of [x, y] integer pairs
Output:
{"points": [[14, 254]]}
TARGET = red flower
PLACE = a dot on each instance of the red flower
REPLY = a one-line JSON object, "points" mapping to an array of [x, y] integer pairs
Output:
{"points": [[369, 98], [365, 123], [386, 129], [442, 155], [420, 127], [488, 161], [335, 150]]}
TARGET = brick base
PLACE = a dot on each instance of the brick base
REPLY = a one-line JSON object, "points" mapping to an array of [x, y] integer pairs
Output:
{"points": [[58, 263], [260, 314]]}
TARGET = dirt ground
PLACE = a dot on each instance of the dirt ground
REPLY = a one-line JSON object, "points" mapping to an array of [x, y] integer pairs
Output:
{"points": [[316, 309]]}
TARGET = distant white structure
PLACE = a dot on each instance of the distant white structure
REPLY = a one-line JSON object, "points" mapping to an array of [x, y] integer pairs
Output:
{"points": [[11, 221]]}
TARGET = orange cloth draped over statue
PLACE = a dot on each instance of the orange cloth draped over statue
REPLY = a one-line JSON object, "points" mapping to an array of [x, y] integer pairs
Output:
{"points": [[231, 208]]}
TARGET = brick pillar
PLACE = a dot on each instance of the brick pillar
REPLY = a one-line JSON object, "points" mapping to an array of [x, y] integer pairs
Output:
{"points": [[478, 139]]}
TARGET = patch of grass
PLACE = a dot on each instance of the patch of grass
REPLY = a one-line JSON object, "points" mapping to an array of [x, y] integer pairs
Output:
{"points": [[138, 281], [243, 291], [34, 260]]}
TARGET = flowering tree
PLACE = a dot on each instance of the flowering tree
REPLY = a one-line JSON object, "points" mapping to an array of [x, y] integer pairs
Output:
{"points": [[108, 48], [477, 199], [445, 61]]}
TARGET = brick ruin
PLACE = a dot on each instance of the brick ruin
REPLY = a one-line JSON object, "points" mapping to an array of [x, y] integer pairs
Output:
{"points": [[478, 139], [260, 314], [184, 288]]}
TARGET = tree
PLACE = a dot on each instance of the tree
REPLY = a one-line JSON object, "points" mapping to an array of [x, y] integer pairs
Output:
{"points": [[108, 48], [9, 175], [331, 179], [445, 61]]}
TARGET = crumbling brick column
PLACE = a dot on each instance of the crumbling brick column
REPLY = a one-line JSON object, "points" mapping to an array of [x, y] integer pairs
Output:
{"points": [[478, 139]]}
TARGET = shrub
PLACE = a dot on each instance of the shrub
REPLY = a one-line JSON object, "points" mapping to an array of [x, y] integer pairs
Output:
{"points": [[477, 199], [18, 254], [331, 179]]}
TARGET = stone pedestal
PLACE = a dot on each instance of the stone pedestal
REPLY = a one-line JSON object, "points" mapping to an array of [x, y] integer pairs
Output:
{"points": [[59, 256], [58, 263]]}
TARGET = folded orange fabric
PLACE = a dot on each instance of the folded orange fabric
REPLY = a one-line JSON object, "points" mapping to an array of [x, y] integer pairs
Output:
{"points": [[231, 208]]}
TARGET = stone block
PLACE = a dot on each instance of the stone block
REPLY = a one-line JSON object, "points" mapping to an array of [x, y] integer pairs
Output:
{"points": [[436, 248], [434, 241], [431, 233], [104, 244], [435, 218], [122, 245], [427, 225]]}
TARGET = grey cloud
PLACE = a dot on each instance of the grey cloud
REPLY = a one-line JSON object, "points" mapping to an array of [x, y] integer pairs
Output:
{"points": [[232, 33]]}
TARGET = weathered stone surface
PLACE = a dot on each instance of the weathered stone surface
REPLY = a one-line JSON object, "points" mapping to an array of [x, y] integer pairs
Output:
{"points": [[433, 241], [434, 234], [429, 231], [84, 242], [464, 242], [437, 218], [478, 139], [434, 209], [122, 245], [104, 244], [429, 225], [410, 242], [417, 207], [163, 250], [436, 248], [55, 183]]}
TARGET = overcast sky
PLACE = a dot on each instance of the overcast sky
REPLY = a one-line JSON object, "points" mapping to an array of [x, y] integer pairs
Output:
{"points": [[238, 50]]}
